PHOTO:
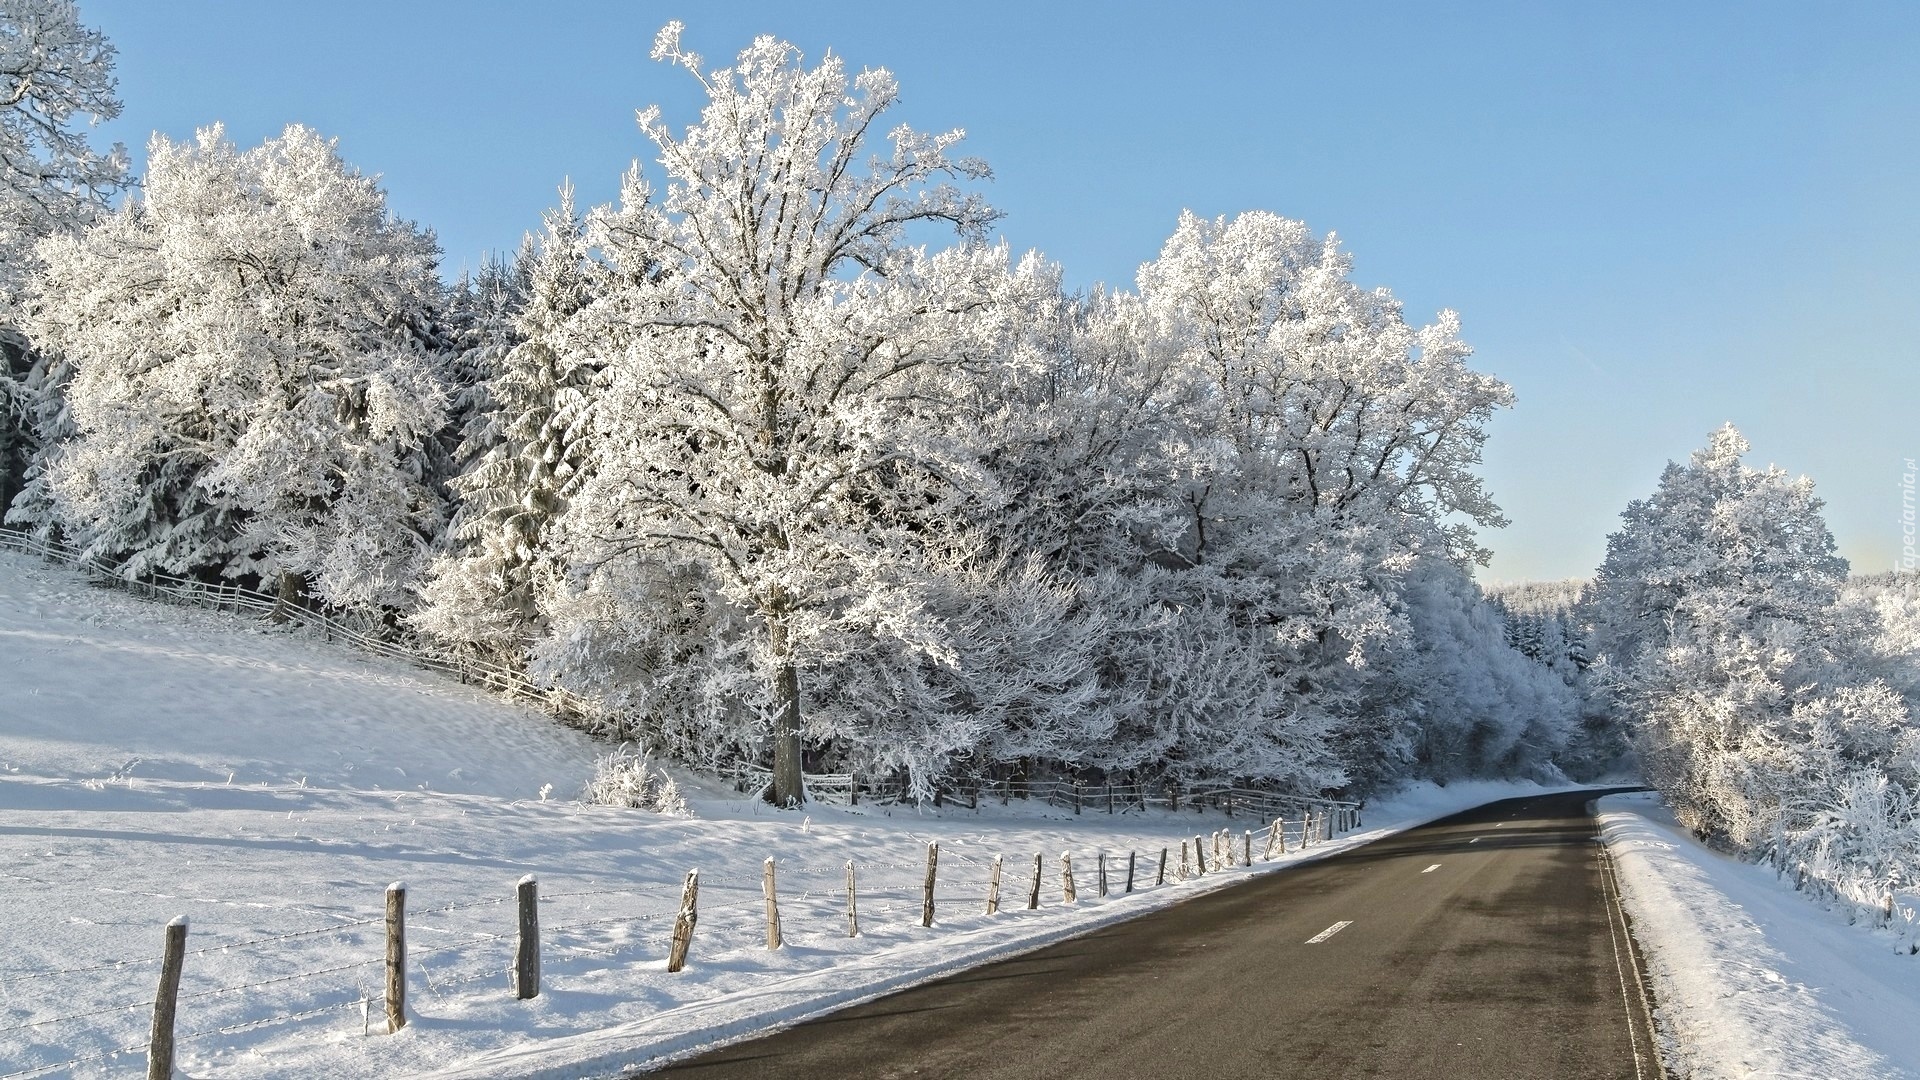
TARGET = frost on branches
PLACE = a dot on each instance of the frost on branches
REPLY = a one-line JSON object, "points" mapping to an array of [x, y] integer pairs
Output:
{"points": [[919, 511], [781, 461], [252, 385], [54, 73], [778, 358], [528, 448], [1719, 625], [1319, 446]]}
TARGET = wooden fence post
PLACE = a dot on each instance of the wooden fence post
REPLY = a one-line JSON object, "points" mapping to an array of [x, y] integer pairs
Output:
{"points": [[926, 902], [1199, 855], [1161, 878], [1173, 797], [1033, 897], [526, 946], [853, 909], [1103, 874], [396, 956], [1228, 803], [684, 923], [993, 887], [773, 905], [1066, 877], [1076, 796], [1109, 795], [166, 1002], [1273, 833], [1184, 873], [1130, 857], [853, 789], [1247, 854]]}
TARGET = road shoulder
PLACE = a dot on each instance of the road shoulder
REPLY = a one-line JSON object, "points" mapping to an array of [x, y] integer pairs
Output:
{"points": [[1750, 979]]}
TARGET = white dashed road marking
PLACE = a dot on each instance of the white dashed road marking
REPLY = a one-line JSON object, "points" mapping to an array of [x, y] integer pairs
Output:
{"points": [[1475, 840], [1431, 869], [1329, 932]]}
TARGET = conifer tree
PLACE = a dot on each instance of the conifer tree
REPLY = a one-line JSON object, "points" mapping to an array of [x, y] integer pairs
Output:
{"points": [[529, 452]]}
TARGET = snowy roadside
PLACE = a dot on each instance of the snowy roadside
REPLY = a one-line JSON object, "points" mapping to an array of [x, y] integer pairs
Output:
{"points": [[971, 940], [158, 761], [1749, 978]]}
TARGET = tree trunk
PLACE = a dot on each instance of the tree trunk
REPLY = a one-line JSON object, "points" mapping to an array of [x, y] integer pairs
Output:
{"points": [[786, 790], [292, 587]]}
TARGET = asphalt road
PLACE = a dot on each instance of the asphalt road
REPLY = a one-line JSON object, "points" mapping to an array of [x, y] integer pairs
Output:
{"points": [[1486, 945]]}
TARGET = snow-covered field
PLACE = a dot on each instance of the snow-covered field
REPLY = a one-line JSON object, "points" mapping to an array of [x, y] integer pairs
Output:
{"points": [[1751, 979], [156, 762]]}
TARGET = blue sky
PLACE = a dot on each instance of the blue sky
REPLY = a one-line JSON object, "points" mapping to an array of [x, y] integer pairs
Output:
{"points": [[1653, 218]]}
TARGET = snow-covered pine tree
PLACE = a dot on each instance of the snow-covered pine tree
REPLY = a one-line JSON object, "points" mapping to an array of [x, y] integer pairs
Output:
{"points": [[528, 450], [53, 71], [780, 361], [253, 378]]}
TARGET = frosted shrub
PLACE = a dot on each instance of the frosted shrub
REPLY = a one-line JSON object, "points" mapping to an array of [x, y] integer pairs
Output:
{"points": [[628, 777], [1863, 837]]}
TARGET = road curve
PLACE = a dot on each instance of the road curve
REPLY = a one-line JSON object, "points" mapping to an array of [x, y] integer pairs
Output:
{"points": [[1488, 945]]}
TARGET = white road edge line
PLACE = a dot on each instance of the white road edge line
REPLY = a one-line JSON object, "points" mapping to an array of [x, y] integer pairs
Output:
{"points": [[1329, 932], [1616, 923], [1431, 869], [1475, 840]]}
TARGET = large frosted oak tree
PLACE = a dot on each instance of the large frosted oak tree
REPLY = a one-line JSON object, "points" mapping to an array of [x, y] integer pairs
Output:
{"points": [[778, 352]]}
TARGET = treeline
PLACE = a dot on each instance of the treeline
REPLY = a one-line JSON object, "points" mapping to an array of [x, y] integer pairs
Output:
{"points": [[750, 457]]}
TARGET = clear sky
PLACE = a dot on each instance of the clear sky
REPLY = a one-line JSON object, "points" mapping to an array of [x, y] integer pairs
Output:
{"points": [[1652, 217]]}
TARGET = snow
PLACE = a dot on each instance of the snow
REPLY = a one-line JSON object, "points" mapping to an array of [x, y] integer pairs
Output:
{"points": [[1751, 979], [157, 762]]}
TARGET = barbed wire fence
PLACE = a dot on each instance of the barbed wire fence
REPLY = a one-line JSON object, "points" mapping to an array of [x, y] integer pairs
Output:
{"points": [[453, 949]]}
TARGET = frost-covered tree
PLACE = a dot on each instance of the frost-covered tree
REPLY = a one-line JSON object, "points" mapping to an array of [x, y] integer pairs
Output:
{"points": [[778, 361], [1321, 445], [1542, 620], [528, 449], [1474, 704], [1233, 469], [1321, 386], [253, 380], [1890, 603], [53, 72], [1717, 624]]}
